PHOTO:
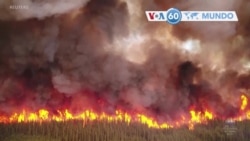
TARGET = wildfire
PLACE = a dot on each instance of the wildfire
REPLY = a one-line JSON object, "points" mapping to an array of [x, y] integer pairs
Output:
{"points": [[244, 102], [44, 115]]}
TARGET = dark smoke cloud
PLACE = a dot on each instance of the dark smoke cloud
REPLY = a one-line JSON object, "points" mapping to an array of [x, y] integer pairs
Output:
{"points": [[103, 54]]}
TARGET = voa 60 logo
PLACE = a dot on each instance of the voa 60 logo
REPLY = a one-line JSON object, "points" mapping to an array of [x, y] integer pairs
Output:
{"points": [[174, 16]]}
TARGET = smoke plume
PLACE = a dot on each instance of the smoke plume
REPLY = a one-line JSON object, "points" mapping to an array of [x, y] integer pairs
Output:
{"points": [[103, 54]]}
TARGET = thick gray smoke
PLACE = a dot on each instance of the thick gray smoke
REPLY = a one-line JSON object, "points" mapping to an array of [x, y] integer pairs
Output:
{"points": [[103, 54]]}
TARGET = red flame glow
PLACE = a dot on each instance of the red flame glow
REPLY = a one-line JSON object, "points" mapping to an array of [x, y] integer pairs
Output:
{"points": [[195, 117]]}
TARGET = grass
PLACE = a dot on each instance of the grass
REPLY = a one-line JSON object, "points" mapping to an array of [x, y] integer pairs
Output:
{"points": [[102, 131]]}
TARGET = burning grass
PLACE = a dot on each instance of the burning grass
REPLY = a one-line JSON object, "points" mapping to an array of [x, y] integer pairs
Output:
{"points": [[119, 131], [89, 125], [194, 117]]}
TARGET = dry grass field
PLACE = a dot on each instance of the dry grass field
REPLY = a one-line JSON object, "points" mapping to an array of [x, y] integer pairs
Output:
{"points": [[101, 131]]}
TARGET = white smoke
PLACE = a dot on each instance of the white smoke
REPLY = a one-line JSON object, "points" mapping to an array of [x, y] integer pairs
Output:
{"points": [[211, 30], [12, 9]]}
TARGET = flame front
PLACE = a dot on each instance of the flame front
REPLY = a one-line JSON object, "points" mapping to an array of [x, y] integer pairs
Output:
{"points": [[194, 117], [44, 115], [244, 102]]}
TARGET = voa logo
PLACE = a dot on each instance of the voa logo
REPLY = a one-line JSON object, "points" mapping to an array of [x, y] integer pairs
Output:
{"points": [[156, 16]]}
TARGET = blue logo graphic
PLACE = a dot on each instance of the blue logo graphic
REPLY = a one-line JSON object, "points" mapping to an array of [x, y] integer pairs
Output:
{"points": [[192, 15], [174, 16]]}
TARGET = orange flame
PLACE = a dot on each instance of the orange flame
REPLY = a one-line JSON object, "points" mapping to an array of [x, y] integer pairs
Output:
{"points": [[244, 102], [44, 115], [195, 117]]}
